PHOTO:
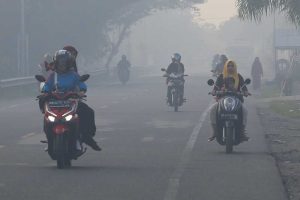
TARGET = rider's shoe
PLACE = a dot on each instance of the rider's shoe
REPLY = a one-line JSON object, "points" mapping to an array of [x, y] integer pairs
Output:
{"points": [[92, 143]]}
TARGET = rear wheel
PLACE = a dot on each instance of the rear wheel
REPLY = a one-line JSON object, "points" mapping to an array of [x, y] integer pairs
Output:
{"points": [[229, 139]]}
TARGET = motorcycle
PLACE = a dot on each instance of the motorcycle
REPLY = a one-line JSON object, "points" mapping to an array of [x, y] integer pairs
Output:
{"points": [[175, 84], [62, 124], [123, 74], [229, 116]]}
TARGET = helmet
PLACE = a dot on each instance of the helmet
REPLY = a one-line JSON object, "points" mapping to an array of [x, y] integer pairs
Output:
{"points": [[63, 61], [48, 58], [176, 57], [72, 50], [223, 58]]}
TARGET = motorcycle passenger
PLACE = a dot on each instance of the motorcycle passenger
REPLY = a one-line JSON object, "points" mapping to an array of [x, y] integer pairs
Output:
{"points": [[220, 65], [229, 71], [175, 67], [47, 65], [64, 79], [74, 53]]}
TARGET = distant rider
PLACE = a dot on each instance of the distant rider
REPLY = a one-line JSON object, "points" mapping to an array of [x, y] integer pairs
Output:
{"points": [[175, 67]]}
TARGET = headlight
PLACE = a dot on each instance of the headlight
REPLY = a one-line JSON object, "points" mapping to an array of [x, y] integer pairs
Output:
{"points": [[68, 118], [229, 104], [51, 118]]}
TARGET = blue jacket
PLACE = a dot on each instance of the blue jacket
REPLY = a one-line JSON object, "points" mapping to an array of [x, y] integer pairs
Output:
{"points": [[65, 82]]}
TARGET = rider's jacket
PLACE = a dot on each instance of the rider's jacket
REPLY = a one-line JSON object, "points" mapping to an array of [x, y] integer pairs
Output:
{"points": [[69, 81], [175, 68], [124, 64], [220, 84]]}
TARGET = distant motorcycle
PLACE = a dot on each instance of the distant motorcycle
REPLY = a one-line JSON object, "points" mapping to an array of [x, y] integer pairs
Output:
{"points": [[123, 74], [61, 119], [229, 116], [175, 84]]}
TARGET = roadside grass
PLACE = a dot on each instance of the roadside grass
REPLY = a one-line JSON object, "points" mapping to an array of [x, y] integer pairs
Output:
{"points": [[268, 91], [286, 108]]}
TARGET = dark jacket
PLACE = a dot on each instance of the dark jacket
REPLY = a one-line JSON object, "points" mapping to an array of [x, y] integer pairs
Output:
{"points": [[220, 84], [175, 68]]}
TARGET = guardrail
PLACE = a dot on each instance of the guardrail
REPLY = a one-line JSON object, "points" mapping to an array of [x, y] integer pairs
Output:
{"points": [[19, 81], [11, 82]]}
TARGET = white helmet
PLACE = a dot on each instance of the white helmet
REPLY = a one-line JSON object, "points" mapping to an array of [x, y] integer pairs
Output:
{"points": [[48, 58]]}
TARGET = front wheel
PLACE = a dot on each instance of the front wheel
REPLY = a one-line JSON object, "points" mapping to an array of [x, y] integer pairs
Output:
{"points": [[60, 149], [175, 101], [229, 139]]}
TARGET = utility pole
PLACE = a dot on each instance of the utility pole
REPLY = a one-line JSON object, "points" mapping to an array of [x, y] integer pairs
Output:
{"points": [[23, 44]]}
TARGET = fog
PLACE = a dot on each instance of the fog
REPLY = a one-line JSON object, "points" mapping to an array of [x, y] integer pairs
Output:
{"points": [[152, 31]]}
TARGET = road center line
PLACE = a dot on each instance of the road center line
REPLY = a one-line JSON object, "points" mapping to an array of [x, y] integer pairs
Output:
{"points": [[174, 181], [147, 139], [28, 135]]}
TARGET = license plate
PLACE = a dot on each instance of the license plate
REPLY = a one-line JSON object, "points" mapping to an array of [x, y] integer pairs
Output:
{"points": [[229, 116], [59, 104]]}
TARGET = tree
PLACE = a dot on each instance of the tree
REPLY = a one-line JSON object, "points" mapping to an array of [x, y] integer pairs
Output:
{"points": [[255, 9]]}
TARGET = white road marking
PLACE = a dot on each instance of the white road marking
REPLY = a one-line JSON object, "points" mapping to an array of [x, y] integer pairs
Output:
{"points": [[13, 106], [147, 139], [174, 181], [2, 146], [28, 135], [32, 139], [103, 107]]}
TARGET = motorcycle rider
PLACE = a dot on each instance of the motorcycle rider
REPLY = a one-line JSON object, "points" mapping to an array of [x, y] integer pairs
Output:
{"points": [[229, 71], [64, 79], [220, 65], [215, 62], [175, 67], [123, 63]]}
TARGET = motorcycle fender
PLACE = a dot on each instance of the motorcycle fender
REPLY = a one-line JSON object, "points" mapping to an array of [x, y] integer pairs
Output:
{"points": [[60, 129], [229, 123]]}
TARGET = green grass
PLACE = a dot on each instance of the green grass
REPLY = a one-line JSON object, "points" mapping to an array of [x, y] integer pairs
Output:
{"points": [[269, 91], [286, 108]]}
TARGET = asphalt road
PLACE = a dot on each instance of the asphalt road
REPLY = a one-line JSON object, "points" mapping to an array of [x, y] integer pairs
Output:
{"points": [[149, 151]]}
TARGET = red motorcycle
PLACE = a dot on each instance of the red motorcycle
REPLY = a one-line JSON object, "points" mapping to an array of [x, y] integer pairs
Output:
{"points": [[61, 125]]}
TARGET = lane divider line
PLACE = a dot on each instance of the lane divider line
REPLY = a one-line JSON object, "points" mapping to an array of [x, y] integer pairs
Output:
{"points": [[174, 181], [147, 139], [28, 135]]}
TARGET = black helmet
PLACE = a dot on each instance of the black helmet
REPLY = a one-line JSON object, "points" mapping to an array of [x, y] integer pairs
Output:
{"points": [[223, 58], [63, 61]]}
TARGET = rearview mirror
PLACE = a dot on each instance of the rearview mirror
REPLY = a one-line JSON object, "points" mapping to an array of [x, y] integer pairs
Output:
{"points": [[163, 69], [247, 81], [84, 77], [40, 78], [210, 82]]}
